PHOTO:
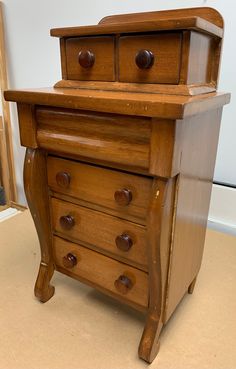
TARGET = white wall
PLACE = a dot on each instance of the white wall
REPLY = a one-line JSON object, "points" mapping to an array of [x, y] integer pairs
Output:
{"points": [[34, 61]]}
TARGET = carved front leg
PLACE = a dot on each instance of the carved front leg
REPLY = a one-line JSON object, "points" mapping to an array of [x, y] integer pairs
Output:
{"points": [[160, 216], [35, 183]]}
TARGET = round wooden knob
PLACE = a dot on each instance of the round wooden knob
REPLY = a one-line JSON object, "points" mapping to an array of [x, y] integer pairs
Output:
{"points": [[124, 242], [144, 59], [63, 179], [123, 284], [86, 58], [69, 261], [123, 197], [67, 222]]}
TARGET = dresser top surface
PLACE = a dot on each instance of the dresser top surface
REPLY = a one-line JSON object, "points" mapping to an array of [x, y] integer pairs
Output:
{"points": [[194, 23], [142, 104], [206, 20]]}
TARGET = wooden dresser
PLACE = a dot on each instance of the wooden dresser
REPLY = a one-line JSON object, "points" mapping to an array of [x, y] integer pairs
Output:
{"points": [[120, 158]]}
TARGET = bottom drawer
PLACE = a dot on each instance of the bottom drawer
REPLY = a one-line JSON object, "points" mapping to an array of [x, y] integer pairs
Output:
{"points": [[101, 272]]}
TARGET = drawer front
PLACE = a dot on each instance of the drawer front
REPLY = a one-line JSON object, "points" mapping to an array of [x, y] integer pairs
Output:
{"points": [[150, 58], [117, 237], [125, 195], [101, 271], [109, 138], [90, 58]]}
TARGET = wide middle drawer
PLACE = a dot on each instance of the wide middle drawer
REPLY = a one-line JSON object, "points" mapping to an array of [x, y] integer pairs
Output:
{"points": [[119, 139], [116, 237]]}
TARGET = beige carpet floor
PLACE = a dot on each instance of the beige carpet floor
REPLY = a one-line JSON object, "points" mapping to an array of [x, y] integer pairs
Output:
{"points": [[80, 328]]}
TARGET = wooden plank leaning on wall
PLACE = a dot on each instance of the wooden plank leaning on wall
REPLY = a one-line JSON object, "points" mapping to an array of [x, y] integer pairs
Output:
{"points": [[7, 168]]}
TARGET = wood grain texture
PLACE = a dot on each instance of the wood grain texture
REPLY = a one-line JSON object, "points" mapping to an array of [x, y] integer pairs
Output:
{"points": [[63, 58], [159, 230], [35, 183], [128, 165], [100, 230], [111, 138], [4, 164], [200, 59], [149, 105], [101, 272], [179, 23], [193, 198], [181, 89], [165, 148], [210, 14], [166, 49], [101, 191], [103, 50], [133, 142], [27, 125]]}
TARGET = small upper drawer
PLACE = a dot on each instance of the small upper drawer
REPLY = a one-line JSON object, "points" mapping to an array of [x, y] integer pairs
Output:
{"points": [[90, 58], [119, 193], [150, 58]]}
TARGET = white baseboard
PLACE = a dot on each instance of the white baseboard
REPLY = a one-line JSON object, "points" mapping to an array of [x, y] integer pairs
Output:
{"points": [[222, 213], [8, 213]]}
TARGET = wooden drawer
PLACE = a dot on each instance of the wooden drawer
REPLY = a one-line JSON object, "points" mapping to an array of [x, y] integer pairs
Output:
{"points": [[104, 137], [96, 186], [159, 64], [90, 58], [118, 238], [101, 272]]}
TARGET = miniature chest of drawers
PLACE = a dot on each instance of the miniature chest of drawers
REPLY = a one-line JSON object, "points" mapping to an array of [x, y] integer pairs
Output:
{"points": [[120, 158]]}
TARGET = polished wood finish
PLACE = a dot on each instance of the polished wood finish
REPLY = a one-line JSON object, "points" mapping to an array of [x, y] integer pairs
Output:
{"points": [[101, 271], [192, 202], [98, 230], [123, 197], [195, 28], [121, 156], [144, 59], [181, 89], [149, 344], [91, 135], [67, 222], [165, 60], [199, 51], [38, 201], [90, 58], [69, 260], [124, 242], [86, 58], [28, 125], [137, 104], [101, 191], [123, 284], [166, 24], [209, 14], [63, 179]]}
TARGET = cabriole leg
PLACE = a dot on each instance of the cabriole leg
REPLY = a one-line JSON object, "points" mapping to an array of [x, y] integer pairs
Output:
{"points": [[150, 344], [157, 260], [35, 183]]}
